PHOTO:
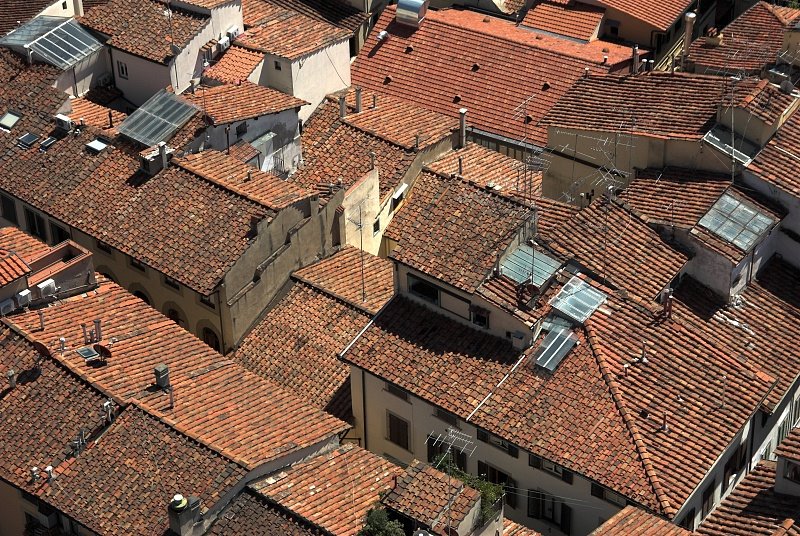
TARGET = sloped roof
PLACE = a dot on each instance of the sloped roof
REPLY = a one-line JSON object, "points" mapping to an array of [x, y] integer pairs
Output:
{"points": [[253, 515], [633, 521], [340, 14], [20, 11], [751, 42], [790, 446], [235, 65], [494, 68], [95, 114], [143, 27], [344, 483], [513, 529], [229, 103], [658, 14], [20, 242], [779, 162], [575, 20]]}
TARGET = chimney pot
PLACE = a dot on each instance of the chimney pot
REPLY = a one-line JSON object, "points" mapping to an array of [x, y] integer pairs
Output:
{"points": [[110, 119], [374, 100], [342, 107], [161, 372], [49, 471], [62, 345], [34, 474], [162, 152], [665, 425], [462, 128], [85, 333], [98, 332], [183, 513], [358, 100], [41, 320], [586, 72], [635, 59], [372, 159], [11, 376]]}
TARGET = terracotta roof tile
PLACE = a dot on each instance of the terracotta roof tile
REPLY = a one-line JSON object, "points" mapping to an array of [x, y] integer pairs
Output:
{"points": [[344, 484], [431, 498], [289, 34], [235, 65], [12, 267], [95, 114], [207, 407], [243, 151], [790, 447], [341, 276], [16, 12], [778, 163], [619, 247], [513, 529], [673, 196], [633, 521], [236, 102], [123, 483], [454, 231], [660, 15], [495, 67], [252, 515], [578, 21], [228, 172], [20, 242], [749, 43], [142, 28], [752, 508], [764, 101], [340, 14], [669, 105]]}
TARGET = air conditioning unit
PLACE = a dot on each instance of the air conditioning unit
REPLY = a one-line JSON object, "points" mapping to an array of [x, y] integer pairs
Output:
{"points": [[518, 340], [232, 33], [224, 43], [23, 298], [46, 288], [63, 122], [7, 307], [105, 80]]}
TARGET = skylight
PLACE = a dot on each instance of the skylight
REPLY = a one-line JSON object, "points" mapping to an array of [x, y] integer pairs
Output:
{"points": [[732, 144], [578, 300], [58, 41], [525, 264], [8, 120], [554, 348], [736, 222], [157, 119]]}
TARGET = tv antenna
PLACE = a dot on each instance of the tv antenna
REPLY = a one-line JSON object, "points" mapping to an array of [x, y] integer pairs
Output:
{"points": [[453, 440]]}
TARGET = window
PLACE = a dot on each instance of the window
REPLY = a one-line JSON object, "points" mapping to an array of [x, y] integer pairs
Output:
{"points": [[175, 316], [796, 408], [278, 66], [142, 296], [496, 476], [608, 495], [544, 506], [480, 316], [550, 467], [206, 300], [171, 283], [210, 338], [784, 429], [397, 429], [502, 444], [35, 224], [436, 449], [9, 208], [241, 128], [708, 498], [102, 246], [397, 391], [792, 472], [688, 520], [64, 5], [376, 227], [58, 233], [138, 265], [8, 120], [447, 417], [122, 70], [423, 289], [734, 465]]}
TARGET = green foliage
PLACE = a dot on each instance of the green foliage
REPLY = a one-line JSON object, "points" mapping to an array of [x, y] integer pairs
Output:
{"points": [[378, 524], [490, 493]]}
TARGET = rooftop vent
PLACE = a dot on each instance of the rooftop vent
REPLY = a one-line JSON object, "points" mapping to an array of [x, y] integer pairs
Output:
{"points": [[411, 12], [47, 143]]}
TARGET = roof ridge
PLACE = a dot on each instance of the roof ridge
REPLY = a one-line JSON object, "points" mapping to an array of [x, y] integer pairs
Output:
{"points": [[484, 189], [616, 395], [308, 283]]}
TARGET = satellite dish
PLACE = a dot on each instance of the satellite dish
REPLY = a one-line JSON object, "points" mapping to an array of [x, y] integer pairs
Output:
{"points": [[787, 87], [41, 349], [102, 350]]}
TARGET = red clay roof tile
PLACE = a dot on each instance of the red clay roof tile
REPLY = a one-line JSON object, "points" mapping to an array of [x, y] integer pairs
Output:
{"points": [[658, 14], [789, 448], [339, 14], [779, 162], [95, 114], [513, 529], [252, 515], [229, 103], [575, 20], [235, 65], [20, 242], [633, 521]]}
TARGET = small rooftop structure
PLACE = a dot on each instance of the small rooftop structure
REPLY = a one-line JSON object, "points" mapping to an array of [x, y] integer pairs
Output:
{"points": [[60, 42], [525, 264], [736, 221], [157, 119], [578, 299]]}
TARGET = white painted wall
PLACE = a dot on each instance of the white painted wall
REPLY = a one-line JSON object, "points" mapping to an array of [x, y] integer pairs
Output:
{"points": [[145, 78], [83, 76], [320, 74]]}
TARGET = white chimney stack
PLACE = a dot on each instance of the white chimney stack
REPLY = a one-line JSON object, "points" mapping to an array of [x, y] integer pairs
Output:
{"points": [[687, 35], [462, 128], [358, 100]]}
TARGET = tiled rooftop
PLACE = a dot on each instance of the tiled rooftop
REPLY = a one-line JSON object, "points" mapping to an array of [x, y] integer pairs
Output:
{"points": [[230, 173], [619, 248], [454, 231], [95, 114], [341, 276], [790, 446], [633, 521], [142, 27], [123, 483], [340, 14], [575, 20], [674, 196], [16, 12], [764, 101], [430, 497], [243, 151], [229, 103], [289, 34], [654, 104], [753, 508], [12, 267], [20, 242], [750, 43], [242, 427], [658, 14], [495, 67], [333, 491], [513, 529], [252, 515], [778, 163], [235, 65]]}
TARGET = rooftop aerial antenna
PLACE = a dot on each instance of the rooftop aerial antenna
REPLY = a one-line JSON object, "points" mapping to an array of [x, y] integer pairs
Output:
{"points": [[359, 224], [453, 440]]}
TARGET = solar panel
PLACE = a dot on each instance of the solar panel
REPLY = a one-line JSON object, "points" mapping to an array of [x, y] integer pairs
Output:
{"points": [[157, 119], [65, 45], [736, 221], [578, 300], [524, 262], [554, 348]]}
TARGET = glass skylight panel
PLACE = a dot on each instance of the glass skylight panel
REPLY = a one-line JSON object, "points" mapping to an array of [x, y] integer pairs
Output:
{"points": [[736, 222], [8, 120], [524, 261], [157, 119], [31, 31], [578, 300], [65, 45], [554, 348]]}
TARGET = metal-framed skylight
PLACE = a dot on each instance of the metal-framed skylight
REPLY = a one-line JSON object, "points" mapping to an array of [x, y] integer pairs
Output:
{"points": [[736, 221], [9, 119], [578, 300], [524, 264], [54, 40], [157, 119], [554, 348]]}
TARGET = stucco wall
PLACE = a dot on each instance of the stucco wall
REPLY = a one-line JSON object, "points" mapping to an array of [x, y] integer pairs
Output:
{"points": [[319, 74], [83, 76], [145, 78]]}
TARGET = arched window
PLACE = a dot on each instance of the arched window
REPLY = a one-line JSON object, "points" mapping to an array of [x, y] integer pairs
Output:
{"points": [[211, 339], [175, 316], [142, 296]]}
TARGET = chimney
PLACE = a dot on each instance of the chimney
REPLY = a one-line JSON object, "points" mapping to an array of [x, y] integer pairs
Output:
{"points": [[667, 303], [358, 100], [586, 72], [687, 36], [635, 62], [11, 376], [85, 334], [34, 474], [162, 376], [460, 166], [342, 107], [665, 424], [49, 471], [162, 153], [372, 160], [374, 100], [651, 65], [41, 320], [98, 333], [62, 345], [110, 119], [183, 514], [462, 128]]}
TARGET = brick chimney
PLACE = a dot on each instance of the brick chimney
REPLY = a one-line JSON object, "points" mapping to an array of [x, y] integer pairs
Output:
{"points": [[183, 514]]}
